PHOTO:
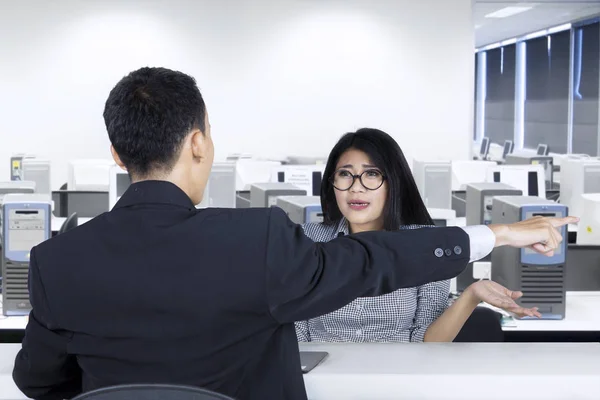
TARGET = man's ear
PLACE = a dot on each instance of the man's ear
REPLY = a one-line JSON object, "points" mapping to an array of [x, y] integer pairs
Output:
{"points": [[199, 144], [116, 157]]}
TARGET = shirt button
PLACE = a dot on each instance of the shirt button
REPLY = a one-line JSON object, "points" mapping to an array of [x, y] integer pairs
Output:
{"points": [[359, 332], [448, 252], [457, 250], [438, 252], [358, 307]]}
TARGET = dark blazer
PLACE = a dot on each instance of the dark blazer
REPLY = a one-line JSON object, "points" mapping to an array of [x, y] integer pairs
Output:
{"points": [[156, 291]]}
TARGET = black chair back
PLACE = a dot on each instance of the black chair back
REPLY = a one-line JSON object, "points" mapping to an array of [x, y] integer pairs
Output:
{"points": [[151, 392], [69, 223], [484, 325]]}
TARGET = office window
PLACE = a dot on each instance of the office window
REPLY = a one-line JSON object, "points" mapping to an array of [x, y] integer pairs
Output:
{"points": [[586, 69], [547, 91], [476, 97], [500, 94]]}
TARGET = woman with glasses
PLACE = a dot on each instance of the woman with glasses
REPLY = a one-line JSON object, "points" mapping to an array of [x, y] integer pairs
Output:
{"points": [[367, 186]]}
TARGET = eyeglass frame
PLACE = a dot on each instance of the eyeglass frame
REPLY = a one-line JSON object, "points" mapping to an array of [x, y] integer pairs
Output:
{"points": [[354, 176]]}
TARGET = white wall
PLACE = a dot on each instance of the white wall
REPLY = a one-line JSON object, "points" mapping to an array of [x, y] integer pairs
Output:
{"points": [[279, 77]]}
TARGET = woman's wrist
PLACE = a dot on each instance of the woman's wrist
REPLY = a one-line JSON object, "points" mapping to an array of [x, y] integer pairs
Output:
{"points": [[470, 296]]}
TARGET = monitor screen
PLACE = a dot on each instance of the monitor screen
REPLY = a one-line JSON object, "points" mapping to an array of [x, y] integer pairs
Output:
{"points": [[542, 150], [508, 148], [485, 145], [123, 183], [87, 204]]}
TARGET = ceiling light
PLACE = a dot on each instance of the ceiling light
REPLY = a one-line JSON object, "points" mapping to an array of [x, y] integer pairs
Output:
{"points": [[508, 11]]}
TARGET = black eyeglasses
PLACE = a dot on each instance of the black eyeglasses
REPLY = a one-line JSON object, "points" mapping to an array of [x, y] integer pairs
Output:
{"points": [[371, 179]]}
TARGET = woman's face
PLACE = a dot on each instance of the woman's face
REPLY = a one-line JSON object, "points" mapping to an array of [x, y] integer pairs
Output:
{"points": [[363, 208]]}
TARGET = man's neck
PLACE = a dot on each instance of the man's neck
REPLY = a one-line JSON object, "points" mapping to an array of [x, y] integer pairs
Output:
{"points": [[173, 177]]}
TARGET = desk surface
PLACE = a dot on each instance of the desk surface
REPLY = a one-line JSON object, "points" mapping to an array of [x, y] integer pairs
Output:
{"points": [[582, 314], [456, 371], [446, 371]]}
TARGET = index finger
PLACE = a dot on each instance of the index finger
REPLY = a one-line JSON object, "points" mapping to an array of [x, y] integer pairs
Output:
{"points": [[556, 222]]}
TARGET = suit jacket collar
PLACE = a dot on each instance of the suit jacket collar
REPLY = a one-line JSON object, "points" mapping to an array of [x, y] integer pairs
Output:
{"points": [[155, 192]]}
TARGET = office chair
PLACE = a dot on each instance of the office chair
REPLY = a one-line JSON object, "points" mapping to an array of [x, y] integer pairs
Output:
{"points": [[151, 392], [69, 223], [483, 326]]}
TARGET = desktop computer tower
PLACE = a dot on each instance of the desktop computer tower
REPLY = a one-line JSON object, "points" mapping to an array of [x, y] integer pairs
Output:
{"points": [[480, 197], [539, 277], [266, 194], [26, 223], [301, 209]]}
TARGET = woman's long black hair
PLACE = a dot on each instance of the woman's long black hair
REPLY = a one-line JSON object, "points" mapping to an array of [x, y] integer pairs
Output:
{"points": [[404, 205]]}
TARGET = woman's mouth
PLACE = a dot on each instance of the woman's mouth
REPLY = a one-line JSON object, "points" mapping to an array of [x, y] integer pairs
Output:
{"points": [[358, 205]]}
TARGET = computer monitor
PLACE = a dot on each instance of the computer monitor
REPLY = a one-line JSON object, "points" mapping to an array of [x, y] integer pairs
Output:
{"points": [[38, 171], [434, 181], [86, 203], [250, 171], [523, 159], [307, 177], [119, 182], [542, 150], [465, 172], [578, 177], [485, 148], [220, 189], [88, 174], [588, 229], [16, 187], [509, 146], [530, 179]]}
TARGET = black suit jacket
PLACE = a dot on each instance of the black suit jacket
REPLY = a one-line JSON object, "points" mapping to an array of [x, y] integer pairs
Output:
{"points": [[156, 291]]}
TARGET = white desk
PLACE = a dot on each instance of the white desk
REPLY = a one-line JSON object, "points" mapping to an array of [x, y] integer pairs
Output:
{"points": [[582, 314], [449, 371], [456, 371], [8, 389], [16, 323]]}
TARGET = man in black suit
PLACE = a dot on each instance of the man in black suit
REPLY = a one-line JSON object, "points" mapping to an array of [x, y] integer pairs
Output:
{"points": [[156, 291]]}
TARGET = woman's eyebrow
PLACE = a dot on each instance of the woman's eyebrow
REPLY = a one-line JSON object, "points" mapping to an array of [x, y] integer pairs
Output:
{"points": [[352, 166]]}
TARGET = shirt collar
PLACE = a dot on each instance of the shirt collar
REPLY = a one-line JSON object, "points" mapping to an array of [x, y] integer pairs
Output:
{"points": [[342, 228], [155, 192]]}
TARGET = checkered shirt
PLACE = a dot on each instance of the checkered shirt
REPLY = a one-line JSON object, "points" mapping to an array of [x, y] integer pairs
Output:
{"points": [[400, 316]]}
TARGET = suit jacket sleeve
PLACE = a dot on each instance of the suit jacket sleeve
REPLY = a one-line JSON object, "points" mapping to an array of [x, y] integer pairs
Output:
{"points": [[43, 368], [307, 279]]}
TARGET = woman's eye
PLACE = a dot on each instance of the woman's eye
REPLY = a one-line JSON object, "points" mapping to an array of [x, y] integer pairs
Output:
{"points": [[373, 173], [344, 174]]}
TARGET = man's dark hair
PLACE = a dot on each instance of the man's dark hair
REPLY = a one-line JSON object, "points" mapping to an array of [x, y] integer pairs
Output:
{"points": [[148, 114], [404, 205]]}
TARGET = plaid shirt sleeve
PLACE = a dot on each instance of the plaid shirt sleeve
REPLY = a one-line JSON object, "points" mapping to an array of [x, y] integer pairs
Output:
{"points": [[302, 332], [432, 301]]}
